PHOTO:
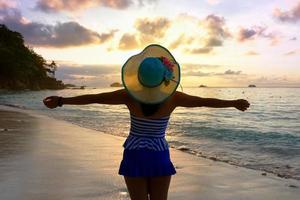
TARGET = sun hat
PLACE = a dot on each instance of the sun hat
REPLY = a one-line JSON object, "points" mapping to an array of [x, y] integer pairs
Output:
{"points": [[151, 76]]}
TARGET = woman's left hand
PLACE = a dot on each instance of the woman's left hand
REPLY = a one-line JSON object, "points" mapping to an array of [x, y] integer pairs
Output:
{"points": [[241, 104]]}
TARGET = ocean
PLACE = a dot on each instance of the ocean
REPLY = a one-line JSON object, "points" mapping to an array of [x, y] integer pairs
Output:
{"points": [[266, 137]]}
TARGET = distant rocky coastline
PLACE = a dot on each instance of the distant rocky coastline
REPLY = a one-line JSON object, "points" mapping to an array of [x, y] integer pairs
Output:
{"points": [[21, 68], [116, 84]]}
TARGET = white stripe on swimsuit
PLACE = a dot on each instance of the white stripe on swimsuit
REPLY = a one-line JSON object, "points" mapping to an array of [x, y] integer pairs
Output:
{"points": [[147, 134]]}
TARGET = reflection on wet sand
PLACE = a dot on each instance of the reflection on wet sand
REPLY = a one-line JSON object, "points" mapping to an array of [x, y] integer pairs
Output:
{"points": [[16, 136], [57, 162]]}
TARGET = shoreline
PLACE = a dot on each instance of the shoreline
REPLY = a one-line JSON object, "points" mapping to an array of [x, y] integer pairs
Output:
{"points": [[183, 148], [82, 163]]}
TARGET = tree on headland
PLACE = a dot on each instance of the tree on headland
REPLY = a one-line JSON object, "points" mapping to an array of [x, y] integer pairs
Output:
{"points": [[21, 67], [51, 68]]}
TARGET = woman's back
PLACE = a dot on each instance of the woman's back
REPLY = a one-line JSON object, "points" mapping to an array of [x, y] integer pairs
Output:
{"points": [[164, 109]]}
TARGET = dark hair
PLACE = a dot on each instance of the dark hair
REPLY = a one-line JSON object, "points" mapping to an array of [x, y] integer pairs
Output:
{"points": [[149, 109]]}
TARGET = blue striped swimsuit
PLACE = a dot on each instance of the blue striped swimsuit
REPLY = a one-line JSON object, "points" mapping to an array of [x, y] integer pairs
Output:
{"points": [[146, 151]]}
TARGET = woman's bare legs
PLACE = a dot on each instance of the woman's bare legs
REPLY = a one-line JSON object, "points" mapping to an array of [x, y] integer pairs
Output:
{"points": [[140, 187], [137, 187], [158, 187]]}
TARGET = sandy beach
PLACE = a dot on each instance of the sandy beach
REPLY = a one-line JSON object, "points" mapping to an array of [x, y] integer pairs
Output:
{"points": [[47, 159]]}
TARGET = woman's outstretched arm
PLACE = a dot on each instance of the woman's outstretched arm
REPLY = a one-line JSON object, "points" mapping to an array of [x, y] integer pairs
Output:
{"points": [[113, 98], [185, 100]]}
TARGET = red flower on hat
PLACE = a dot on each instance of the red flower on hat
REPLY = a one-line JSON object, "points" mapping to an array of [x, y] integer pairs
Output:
{"points": [[167, 63]]}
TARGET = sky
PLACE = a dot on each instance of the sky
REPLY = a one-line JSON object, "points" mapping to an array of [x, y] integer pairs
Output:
{"points": [[218, 43]]}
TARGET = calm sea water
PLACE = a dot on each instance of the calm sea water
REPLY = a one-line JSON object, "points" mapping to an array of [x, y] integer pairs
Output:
{"points": [[266, 137]]}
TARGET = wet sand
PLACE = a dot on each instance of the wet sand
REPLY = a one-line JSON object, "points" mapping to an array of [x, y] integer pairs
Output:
{"points": [[47, 159]]}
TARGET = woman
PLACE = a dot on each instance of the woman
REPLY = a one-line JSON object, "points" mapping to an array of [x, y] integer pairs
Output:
{"points": [[150, 80]]}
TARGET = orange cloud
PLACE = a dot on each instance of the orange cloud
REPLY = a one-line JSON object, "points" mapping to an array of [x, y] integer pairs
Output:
{"points": [[203, 50], [128, 41], [251, 53], [7, 4], [155, 27], [73, 5], [153, 30], [147, 31], [182, 39], [216, 32]]}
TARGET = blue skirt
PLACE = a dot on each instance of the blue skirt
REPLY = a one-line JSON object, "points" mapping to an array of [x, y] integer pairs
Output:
{"points": [[146, 163]]}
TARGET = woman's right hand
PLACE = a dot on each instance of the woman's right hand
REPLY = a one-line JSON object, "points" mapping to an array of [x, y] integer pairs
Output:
{"points": [[51, 102]]}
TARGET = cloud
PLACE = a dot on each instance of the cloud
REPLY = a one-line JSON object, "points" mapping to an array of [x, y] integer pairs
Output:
{"points": [[275, 81], [245, 34], [196, 73], [231, 72], [251, 53], [200, 66], [145, 2], [7, 4], [290, 53], [176, 43], [90, 75], [154, 27], [88, 70], [195, 70], [216, 30], [292, 15], [249, 33], [128, 42], [214, 24], [147, 31], [204, 50], [214, 42], [69, 34], [65, 34], [74, 5], [188, 69], [182, 39], [213, 2], [201, 35], [77, 76]]}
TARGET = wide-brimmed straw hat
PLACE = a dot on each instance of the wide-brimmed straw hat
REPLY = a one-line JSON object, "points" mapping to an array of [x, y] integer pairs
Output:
{"points": [[151, 76]]}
